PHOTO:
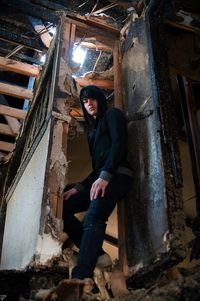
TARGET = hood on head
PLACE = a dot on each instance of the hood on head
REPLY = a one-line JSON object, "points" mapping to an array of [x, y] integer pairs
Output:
{"points": [[93, 92]]}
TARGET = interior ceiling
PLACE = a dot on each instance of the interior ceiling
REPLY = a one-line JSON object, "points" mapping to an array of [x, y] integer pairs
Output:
{"points": [[25, 35]]}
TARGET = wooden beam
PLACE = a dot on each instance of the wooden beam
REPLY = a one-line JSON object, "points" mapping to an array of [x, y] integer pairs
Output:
{"points": [[82, 21], [13, 123], [31, 9], [6, 130], [101, 83], [95, 46], [117, 76], [17, 113], [6, 146], [20, 40], [15, 91], [19, 67]]}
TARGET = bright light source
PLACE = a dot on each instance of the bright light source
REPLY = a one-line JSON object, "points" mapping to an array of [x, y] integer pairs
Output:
{"points": [[52, 30], [78, 55], [43, 58]]}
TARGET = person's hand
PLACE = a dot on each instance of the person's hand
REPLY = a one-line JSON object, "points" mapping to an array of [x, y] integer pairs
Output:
{"points": [[69, 193], [98, 187]]}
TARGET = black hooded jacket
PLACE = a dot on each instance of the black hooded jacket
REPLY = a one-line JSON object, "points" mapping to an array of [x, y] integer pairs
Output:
{"points": [[107, 138]]}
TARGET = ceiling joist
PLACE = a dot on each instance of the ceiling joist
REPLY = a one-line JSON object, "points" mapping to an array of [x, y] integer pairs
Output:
{"points": [[9, 111], [19, 67], [15, 91], [17, 39], [6, 146], [31, 9]]}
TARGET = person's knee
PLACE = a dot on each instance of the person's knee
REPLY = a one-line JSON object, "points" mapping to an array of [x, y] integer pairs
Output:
{"points": [[93, 221]]}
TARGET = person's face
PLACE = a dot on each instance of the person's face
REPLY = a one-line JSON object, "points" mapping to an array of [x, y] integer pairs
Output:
{"points": [[91, 106]]}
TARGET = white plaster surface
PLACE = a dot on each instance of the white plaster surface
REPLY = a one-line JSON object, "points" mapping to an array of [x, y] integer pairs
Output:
{"points": [[24, 211], [47, 247]]}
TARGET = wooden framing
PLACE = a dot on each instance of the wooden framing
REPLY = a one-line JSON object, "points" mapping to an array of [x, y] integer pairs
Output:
{"points": [[15, 91], [6, 130], [19, 67], [17, 113], [6, 146]]}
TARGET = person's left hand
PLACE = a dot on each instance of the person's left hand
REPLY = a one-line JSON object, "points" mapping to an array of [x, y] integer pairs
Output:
{"points": [[99, 186]]}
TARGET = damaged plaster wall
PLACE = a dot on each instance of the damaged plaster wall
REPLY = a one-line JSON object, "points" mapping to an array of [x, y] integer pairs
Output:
{"points": [[24, 212]]}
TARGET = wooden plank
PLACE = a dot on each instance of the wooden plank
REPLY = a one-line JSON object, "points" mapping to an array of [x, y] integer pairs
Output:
{"points": [[17, 113], [6, 130], [13, 123], [95, 46], [101, 83], [19, 67], [6, 146], [15, 91], [117, 76]]}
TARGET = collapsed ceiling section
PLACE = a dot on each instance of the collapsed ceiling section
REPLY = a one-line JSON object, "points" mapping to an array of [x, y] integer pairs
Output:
{"points": [[26, 32]]}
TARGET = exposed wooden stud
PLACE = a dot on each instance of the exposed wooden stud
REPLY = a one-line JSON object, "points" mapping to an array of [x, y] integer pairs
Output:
{"points": [[6, 130], [117, 76], [15, 91], [101, 83], [6, 146], [17, 113], [19, 67]]}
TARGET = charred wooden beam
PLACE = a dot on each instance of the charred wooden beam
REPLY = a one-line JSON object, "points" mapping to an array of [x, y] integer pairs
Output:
{"points": [[13, 112], [101, 83], [82, 21], [189, 22], [19, 67], [21, 56], [31, 9], [15, 91], [19, 40], [49, 4]]}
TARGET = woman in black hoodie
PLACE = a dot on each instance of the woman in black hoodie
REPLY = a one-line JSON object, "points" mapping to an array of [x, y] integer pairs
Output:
{"points": [[109, 181]]}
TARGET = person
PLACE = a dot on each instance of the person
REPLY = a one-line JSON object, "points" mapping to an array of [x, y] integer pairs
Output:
{"points": [[108, 182]]}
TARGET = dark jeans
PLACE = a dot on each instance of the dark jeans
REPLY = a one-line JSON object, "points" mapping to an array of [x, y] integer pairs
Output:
{"points": [[89, 235]]}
